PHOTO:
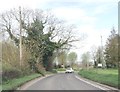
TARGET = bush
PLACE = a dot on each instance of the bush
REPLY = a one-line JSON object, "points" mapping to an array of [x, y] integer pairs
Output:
{"points": [[10, 61], [41, 72], [13, 84], [54, 71], [61, 69], [10, 74]]}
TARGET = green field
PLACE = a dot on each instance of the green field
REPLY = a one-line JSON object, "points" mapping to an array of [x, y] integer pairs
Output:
{"points": [[14, 83], [105, 76]]}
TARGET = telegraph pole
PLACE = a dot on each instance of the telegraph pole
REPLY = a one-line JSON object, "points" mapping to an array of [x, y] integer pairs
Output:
{"points": [[101, 47], [20, 44], [102, 57]]}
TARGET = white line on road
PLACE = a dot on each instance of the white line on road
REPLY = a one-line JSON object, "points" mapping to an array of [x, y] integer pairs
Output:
{"points": [[97, 86], [28, 84]]}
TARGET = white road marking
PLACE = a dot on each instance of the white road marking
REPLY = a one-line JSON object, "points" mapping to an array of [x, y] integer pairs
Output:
{"points": [[97, 86], [29, 83]]}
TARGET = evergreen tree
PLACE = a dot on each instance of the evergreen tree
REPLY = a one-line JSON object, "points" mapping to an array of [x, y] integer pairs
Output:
{"points": [[111, 50]]}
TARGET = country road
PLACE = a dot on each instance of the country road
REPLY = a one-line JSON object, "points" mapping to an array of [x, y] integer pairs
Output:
{"points": [[63, 81]]}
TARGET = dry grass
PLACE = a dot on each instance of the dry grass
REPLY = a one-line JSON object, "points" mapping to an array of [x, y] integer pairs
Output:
{"points": [[11, 60]]}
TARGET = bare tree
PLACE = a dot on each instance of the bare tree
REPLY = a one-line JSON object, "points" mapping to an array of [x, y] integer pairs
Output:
{"points": [[93, 54], [42, 25], [72, 57], [85, 60]]}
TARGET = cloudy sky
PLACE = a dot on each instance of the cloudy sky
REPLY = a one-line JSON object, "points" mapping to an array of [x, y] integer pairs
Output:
{"points": [[94, 18]]}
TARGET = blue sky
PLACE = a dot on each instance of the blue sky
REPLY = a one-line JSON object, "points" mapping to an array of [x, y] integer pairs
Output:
{"points": [[91, 17], [104, 12]]}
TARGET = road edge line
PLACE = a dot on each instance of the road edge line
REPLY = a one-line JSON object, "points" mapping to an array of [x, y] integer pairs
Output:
{"points": [[29, 83], [97, 86]]}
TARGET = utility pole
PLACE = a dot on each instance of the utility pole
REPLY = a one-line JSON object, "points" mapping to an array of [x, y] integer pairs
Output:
{"points": [[102, 56], [20, 44], [101, 50]]}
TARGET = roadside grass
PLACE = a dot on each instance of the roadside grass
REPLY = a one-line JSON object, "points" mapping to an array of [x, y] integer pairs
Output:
{"points": [[61, 69], [106, 71], [14, 83], [105, 76]]}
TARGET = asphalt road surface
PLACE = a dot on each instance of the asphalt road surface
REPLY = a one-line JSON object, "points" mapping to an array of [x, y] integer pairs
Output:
{"points": [[62, 81]]}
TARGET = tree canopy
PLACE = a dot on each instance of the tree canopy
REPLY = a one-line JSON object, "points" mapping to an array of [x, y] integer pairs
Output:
{"points": [[85, 59], [42, 34], [72, 57], [111, 50]]}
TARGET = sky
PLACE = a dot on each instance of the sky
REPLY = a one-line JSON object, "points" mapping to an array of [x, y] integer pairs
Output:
{"points": [[93, 18]]}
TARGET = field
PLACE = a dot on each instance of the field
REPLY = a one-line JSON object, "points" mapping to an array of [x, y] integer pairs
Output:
{"points": [[105, 76]]}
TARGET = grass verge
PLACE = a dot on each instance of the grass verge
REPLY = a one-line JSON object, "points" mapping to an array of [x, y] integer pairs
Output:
{"points": [[14, 83], [61, 69], [105, 76]]}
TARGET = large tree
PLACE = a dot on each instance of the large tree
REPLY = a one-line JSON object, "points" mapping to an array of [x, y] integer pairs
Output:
{"points": [[111, 50], [72, 57], [42, 33], [85, 60], [98, 56], [93, 53], [62, 57]]}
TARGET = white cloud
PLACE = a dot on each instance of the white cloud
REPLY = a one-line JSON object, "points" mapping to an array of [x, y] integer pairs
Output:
{"points": [[93, 39], [94, 35], [97, 1], [84, 1], [69, 13], [9, 4], [74, 15], [36, 3], [104, 8]]}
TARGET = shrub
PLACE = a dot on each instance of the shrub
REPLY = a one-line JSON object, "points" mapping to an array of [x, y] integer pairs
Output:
{"points": [[61, 69], [54, 71], [11, 61], [10, 74]]}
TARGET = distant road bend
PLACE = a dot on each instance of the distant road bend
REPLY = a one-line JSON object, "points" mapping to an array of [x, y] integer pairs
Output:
{"points": [[63, 81]]}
